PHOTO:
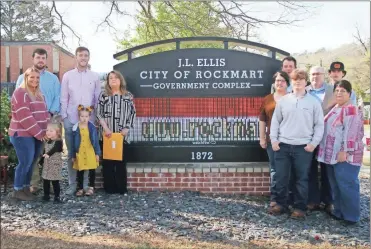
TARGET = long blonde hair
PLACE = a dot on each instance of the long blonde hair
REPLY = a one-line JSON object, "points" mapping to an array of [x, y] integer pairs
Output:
{"points": [[37, 93], [107, 87], [56, 123]]}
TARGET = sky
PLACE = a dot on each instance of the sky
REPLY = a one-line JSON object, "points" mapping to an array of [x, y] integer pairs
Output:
{"points": [[330, 25]]}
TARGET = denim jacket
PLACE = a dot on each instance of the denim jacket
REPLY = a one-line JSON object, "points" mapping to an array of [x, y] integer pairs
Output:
{"points": [[93, 134]]}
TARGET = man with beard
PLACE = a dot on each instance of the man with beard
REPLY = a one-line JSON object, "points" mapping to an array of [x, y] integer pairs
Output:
{"points": [[80, 86], [50, 88], [288, 65]]}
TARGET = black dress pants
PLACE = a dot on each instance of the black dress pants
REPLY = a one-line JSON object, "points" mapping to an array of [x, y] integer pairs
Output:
{"points": [[115, 174]]}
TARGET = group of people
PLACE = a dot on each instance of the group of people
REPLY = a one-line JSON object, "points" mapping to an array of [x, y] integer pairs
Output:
{"points": [[307, 125], [304, 126], [41, 108]]}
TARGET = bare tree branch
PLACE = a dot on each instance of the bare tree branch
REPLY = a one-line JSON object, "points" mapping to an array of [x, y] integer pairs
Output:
{"points": [[63, 25], [233, 15], [360, 40], [114, 8], [106, 19]]}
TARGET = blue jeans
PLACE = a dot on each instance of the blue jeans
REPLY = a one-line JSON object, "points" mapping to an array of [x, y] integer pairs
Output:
{"points": [[27, 150], [319, 192], [272, 170], [287, 159], [344, 182]]}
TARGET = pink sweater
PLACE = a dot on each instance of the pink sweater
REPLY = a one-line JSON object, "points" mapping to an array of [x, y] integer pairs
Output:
{"points": [[29, 118]]}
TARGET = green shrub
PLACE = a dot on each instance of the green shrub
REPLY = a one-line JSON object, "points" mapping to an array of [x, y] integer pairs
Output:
{"points": [[5, 114]]}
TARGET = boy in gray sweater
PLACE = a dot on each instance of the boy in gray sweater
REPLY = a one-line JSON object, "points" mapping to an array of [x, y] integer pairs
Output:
{"points": [[297, 128]]}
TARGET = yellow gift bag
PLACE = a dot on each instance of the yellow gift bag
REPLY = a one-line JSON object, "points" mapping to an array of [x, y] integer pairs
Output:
{"points": [[112, 147]]}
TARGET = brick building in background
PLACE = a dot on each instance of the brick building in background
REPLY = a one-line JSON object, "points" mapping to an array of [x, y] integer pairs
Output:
{"points": [[16, 57]]}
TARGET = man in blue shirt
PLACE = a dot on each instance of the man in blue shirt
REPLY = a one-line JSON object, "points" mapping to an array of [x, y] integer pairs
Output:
{"points": [[51, 89], [320, 193], [49, 83], [336, 73]]}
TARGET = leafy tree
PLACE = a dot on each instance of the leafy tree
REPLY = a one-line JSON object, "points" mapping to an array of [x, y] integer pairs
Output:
{"points": [[27, 21], [160, 23], [238, 18]]}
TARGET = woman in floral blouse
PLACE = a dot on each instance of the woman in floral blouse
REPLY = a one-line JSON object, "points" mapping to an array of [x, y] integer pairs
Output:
{"points": [[341, 149]]}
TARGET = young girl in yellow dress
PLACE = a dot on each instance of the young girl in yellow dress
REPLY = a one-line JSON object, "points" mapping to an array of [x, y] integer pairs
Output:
{"points": [[85, 151]]}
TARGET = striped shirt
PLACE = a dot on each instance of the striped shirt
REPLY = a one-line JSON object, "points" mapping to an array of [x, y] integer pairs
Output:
{"points": [[29, 117], [118, 111]]}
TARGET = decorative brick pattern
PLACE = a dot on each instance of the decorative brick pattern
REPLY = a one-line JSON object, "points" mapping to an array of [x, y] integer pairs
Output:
{"points": [[230, 180]]}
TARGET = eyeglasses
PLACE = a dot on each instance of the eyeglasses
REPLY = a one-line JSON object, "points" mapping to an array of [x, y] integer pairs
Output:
{"points": [[281, 81], [340, 91], [316, 74]]}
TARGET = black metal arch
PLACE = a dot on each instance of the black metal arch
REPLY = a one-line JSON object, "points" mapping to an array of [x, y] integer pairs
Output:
{"points": [[225, 40]]}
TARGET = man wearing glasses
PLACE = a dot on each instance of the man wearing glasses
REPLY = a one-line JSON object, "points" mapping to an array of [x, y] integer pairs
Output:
{"points": [[324, 93]]}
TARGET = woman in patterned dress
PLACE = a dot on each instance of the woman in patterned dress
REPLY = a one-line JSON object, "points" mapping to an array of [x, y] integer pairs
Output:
{"points": [[116, 114], [341, 149]]}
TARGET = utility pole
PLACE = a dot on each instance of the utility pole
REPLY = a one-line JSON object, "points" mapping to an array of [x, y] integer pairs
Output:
{"points": [[320, 62]]}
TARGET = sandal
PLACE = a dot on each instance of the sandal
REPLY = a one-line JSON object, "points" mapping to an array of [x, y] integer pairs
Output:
{"points": [[80, 193], [89, 191]]}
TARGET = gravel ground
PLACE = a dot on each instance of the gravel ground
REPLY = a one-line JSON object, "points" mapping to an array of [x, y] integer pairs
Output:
{"points": [[201, 217]]}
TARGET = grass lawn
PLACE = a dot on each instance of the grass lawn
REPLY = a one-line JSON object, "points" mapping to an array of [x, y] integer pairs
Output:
{"points": [[38, 240]]}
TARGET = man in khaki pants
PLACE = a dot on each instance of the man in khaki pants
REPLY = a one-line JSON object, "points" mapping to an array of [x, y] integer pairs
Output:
{"points": [[50, 88]]}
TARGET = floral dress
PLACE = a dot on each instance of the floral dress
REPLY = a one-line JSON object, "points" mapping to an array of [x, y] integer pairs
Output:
{"points": [[85, 158]]}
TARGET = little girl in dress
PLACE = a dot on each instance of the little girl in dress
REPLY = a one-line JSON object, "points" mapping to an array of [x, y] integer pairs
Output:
{"points": [[85, 151], [52, 169]]}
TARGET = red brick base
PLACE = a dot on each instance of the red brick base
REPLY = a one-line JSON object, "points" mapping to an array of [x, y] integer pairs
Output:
{"points": [[253, 181]]}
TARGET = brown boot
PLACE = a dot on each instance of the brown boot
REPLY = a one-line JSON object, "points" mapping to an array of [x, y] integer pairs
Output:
{"points": [[34, 190], [297, 214], [276, 210], [21, 195], [28, 193]]}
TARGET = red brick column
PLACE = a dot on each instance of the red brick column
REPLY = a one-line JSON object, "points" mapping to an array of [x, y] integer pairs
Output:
{"points": [[238, 179]]}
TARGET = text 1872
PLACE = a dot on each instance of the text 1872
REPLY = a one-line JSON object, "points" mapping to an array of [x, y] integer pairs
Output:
{"points": [[202, 155]]}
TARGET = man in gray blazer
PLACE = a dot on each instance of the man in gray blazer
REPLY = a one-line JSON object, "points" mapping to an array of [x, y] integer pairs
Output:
{"points": [[324, 93]]}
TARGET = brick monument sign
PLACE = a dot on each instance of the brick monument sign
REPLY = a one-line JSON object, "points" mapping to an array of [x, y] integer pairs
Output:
{"points": [[197, 116]]}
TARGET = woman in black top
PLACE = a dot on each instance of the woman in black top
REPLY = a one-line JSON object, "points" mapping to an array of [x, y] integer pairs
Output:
{"points": [[116, 114]]}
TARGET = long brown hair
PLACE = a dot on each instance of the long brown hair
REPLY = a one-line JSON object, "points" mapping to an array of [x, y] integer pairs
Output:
{"points": [[37, 93], [108, 88]]}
